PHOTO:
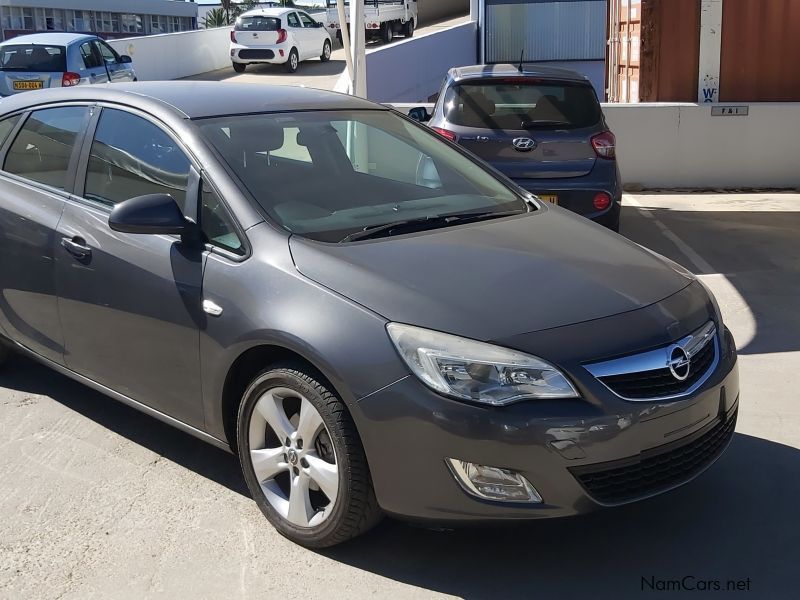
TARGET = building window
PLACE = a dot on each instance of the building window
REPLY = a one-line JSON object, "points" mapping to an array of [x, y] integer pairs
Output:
{"points": [[17, 18], [115, 23], [132, 23]]}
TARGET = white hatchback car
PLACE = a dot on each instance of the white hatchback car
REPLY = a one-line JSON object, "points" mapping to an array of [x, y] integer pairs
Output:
{"points": [[278, 36]]}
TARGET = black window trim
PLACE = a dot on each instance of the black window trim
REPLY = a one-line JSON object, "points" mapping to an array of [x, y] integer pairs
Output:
{"points": [[82, 165], [73, 165]]}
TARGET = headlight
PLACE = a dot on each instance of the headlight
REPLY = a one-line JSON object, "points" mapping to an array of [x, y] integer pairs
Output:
{"points": [[476, 371]]}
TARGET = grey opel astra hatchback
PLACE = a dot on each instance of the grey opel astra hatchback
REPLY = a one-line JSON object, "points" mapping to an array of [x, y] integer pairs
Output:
{"points": [[370, 318]]}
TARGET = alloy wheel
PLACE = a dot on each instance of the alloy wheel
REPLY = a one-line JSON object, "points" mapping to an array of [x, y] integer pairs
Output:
{"points": [[293, 457]]}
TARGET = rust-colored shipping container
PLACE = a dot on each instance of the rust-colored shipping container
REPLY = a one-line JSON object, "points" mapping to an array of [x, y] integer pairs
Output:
{"points": [[760, 51], [653, 51]]}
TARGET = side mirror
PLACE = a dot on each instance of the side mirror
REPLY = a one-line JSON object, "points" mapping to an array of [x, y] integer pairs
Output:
{"points": [[318, 25], [125, 59], [419, 113], [150, 214]]}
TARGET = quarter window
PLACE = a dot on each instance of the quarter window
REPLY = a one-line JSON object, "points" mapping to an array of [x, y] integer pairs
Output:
{"points": [[217, 224], [6, 126], [42, 150], [132, 157]]}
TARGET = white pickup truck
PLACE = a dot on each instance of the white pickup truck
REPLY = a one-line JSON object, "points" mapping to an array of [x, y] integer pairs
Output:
{"points": [[382, 18]]}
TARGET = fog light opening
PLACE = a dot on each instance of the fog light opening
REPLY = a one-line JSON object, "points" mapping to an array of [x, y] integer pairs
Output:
{"points": [[493, 483]]}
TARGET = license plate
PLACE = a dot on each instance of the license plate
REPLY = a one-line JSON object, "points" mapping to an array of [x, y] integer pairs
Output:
{"points": [[28, 85], [551, 198]]}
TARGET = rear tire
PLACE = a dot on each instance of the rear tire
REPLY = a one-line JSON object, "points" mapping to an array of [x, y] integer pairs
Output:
{"points": [[288, 403], [387, 33], [239, 67], [326, 51], [293, 62], [408, 28], [5, 353]]}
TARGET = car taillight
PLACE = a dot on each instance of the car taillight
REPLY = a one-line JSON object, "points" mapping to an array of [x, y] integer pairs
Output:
{"points": [[446, 134], [282, 35], [233, 36], [70, 79], [601, 201], [605, 145]]}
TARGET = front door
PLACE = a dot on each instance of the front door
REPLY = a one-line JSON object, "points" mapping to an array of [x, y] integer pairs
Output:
{"points": [[37, 172], [129, 304]]}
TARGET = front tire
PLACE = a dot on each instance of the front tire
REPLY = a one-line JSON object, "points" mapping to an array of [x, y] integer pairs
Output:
{"points": [[5, 353], [303, 460], [293, 62], [408, 28], [326, 51], [239, 67]]}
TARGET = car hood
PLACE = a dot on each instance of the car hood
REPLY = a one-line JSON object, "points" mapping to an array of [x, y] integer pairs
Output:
{"points": [[494, 279]]}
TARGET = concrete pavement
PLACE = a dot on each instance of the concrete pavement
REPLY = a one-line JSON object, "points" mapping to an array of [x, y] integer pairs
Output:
{"points": [[99, 501]]}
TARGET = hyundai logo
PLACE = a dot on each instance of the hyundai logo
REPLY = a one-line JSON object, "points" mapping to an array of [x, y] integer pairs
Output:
{"points": [[679, 363], [524, 144]]}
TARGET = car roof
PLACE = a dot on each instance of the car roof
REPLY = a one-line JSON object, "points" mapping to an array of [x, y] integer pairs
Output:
{"points": [[509, 70], [49, 39], [195, 99], [277, 11]]}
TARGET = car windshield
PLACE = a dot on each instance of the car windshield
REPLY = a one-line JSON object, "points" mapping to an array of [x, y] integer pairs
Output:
{"points": [[257, 23], [330, 174], [33, 58], [522, 103]]}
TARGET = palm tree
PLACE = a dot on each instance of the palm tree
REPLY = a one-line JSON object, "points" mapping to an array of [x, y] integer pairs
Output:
{"points": [[215, 18]]}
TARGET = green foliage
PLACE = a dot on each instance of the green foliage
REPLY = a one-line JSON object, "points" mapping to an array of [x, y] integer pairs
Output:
{"points": [[215, 18]]}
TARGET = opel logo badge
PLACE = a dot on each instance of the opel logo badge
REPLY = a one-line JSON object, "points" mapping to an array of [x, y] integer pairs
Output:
{"points": [[679, 363], [524, 144]]}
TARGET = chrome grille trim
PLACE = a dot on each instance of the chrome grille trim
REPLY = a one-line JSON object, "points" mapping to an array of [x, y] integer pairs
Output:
{"points": [[658, 359]]}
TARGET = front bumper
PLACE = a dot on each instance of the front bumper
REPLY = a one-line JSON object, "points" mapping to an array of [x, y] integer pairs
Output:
{"points": [[558, 446]]}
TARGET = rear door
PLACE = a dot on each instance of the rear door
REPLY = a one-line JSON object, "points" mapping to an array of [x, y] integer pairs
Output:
{"points": [[117, 70], [92, 62], [300, 35], [314, 36], [25, 67], [526, 128], [38, 172], [130, 305]]}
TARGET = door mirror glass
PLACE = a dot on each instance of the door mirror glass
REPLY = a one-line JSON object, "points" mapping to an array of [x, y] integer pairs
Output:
{"points": [[420, 113], [125, 59], [150, 214]]}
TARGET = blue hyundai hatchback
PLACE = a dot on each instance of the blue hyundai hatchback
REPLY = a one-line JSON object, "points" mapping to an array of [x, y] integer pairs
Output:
{"points": [[542, 127]]}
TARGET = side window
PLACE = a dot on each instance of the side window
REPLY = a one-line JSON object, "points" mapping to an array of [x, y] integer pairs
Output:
{"points": [[132, 157], [42, 150], [307, 21], [217, 224], [107, 52], [293, 20], [6, 126], [90, 57]]}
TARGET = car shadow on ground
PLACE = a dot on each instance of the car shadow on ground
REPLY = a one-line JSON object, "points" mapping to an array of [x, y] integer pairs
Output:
{"points": [[310, 68], [736, 521], [28, 376], [758, 252]]}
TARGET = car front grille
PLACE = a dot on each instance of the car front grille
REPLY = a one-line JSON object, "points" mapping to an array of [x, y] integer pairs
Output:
{"points": [[655, 470], [665, 373], [660, 382], [256, 54]]}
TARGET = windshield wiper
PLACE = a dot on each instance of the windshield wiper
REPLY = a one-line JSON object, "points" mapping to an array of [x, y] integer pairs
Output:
{"points": [[422, 223]]}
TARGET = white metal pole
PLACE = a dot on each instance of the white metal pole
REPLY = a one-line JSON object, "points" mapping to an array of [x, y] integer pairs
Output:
{"points": [[345, 39], [358, 48], [710, 51]]}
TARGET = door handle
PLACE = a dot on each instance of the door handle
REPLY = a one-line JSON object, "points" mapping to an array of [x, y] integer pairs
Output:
{"points": [[77, 247]]}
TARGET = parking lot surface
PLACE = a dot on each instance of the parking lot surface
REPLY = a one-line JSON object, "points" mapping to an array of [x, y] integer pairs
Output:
{"points": [[99, 501], [312, 73]]}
